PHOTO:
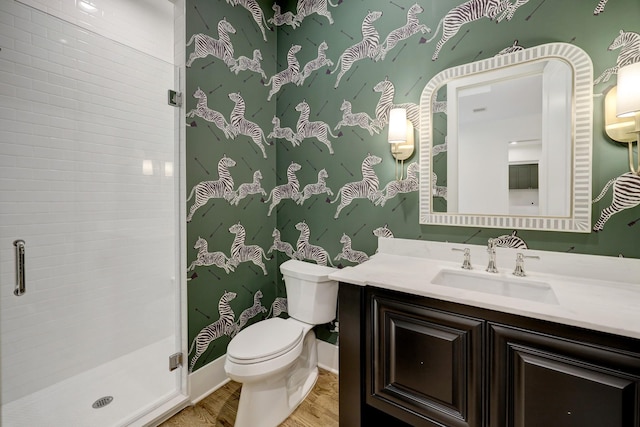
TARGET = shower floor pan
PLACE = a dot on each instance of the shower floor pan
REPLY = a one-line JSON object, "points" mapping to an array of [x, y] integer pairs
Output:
{"points": [[132, 380]]}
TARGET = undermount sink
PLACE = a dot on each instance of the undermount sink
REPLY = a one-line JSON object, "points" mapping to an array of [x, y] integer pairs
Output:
{"points": [[510, 287]]}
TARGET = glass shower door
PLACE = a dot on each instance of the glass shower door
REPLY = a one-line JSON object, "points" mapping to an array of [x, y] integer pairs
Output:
{"points": [[88, 210]]}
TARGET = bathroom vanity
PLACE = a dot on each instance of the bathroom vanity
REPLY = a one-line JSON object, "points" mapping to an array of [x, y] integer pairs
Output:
{"points": [[425, 343]]}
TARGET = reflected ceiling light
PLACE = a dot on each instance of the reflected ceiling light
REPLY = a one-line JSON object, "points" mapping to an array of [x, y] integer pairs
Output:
{"points": [[168, 168], [87, 6], [147, 167]]}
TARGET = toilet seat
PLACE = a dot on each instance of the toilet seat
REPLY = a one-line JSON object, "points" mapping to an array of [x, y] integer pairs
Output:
{"points": [[264, 340]]}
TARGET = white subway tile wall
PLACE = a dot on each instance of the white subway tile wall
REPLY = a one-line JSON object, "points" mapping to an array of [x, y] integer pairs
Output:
{"points": [[146, 25], [80, 116]]}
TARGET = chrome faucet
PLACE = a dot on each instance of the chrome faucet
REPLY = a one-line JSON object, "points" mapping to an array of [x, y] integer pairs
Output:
{"points": [[491, 250], [466, 263], [519, 270]]}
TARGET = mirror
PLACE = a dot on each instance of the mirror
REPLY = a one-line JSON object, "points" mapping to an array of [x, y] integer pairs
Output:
{"points": [[506, 142]]}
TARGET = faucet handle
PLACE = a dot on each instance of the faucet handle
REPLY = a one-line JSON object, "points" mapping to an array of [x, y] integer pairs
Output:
{"points": [[491, 250], [466, 263], [519, 270]]}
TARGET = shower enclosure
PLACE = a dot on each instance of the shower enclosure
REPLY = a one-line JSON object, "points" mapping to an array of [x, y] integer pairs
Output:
{"points": [[90, 266]]}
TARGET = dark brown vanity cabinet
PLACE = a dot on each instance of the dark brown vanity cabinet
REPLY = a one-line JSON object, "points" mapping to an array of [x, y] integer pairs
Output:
{"points": [[407, 360]]}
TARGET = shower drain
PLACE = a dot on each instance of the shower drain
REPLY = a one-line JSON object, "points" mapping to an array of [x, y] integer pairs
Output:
{"points": [[102, 402]]}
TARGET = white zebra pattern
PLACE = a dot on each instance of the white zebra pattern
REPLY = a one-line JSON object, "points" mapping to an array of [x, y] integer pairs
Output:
{"points": [[385, 104], [278, 306], [242, 126], [244, 253], [412, 27], [206, 258], [305, 8], [383, 231], [393, 188], [282, 132], [221, 188], [437, 190], [220, 48], [250, 64], [306, 129], [349, 118], [255, 11], [309, 251], [319, 187], [512, 241], [280, 18], [249, 313], [626, 195], [223, 326], [244, 189], [291, 74], [280, 246], [315, 64], [350, 254], [629, 44], [471, 11], [365, 188], [366, 48], [290, 190], [515, 47], [203, 111], [600, 7]]}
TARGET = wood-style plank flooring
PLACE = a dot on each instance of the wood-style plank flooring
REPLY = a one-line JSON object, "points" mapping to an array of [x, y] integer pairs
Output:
{"points": [[319, 409]]}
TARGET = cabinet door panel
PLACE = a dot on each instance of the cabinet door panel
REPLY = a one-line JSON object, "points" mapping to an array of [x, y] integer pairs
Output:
{"points": [[426, 364], [421, 360], [539, 380], [552, 391]]}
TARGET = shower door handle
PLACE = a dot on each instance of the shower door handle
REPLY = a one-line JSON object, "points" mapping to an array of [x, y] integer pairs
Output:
{"points": [[20, 276]]}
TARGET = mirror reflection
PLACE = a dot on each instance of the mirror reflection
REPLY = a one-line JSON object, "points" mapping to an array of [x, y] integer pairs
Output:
{"points": [[505, 121], [500, 140]]}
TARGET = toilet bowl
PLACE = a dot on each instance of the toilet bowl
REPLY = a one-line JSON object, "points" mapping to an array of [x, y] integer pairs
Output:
{"points": [[276, 359]]}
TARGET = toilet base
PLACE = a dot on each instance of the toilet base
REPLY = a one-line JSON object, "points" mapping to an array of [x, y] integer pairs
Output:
{"points": [[269, 402]]}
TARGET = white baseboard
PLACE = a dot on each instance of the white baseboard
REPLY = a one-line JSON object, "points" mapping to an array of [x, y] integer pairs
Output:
{"points": [[206, 380], [211, 377], [328, 356]]}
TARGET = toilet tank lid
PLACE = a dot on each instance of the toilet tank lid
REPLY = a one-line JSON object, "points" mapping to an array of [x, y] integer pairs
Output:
{"points": [[306, 270]]}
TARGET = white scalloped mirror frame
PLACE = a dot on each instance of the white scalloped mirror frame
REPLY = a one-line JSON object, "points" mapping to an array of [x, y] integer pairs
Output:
{"points": [[579, 219]]}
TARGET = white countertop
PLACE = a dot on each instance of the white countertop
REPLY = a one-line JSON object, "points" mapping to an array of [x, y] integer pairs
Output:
{"points": [[594, 292]]}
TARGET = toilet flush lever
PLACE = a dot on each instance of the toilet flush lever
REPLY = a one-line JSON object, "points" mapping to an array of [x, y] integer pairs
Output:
{"points": [[466, 263]]}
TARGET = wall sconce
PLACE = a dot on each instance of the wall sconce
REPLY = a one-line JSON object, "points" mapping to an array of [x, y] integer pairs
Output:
{"points": [[619, 129], [400, 138], [628, 109]]}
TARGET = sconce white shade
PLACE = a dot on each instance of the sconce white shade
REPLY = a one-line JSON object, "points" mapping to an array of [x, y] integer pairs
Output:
{"points": [[628, 90], [397, 125], [619, 129]]}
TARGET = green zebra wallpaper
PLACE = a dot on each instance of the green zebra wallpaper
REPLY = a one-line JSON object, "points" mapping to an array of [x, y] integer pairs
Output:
{"points": [[287, 152]]}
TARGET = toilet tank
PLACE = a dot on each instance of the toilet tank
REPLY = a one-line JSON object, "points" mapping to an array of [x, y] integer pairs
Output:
{"points": [[311, 296]]}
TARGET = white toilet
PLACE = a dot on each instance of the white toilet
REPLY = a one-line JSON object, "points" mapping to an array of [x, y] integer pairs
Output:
{"points": [[276, 359]]}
